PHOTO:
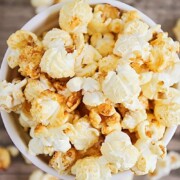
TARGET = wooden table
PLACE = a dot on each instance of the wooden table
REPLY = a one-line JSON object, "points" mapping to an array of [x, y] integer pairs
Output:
{"points": [[14, 13]]}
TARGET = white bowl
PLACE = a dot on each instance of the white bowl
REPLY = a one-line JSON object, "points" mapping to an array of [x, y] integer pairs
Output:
{"points": [[41, 22]]}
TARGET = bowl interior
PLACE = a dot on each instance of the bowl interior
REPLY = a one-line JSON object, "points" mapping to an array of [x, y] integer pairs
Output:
{"points": [[38, 24]]}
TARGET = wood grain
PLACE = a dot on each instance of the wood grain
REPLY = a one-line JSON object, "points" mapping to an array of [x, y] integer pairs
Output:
{"points": [[14, 14]]}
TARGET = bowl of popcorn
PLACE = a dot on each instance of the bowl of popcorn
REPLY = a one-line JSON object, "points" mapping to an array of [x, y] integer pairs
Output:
{"points": [[90, 90]]}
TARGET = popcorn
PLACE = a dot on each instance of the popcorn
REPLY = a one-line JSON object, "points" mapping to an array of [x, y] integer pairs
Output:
{"points": [[25, 117], [40, 3], [75, 84], [148, 156], [163, 53], [102, 16], [133, 118], [164, 166], [38, 174], [167, 111], [104, 43], [79, 42], [73, 101], [117, 149], [116, 26], [48, 140], [41, 113], [75, 16], [81, 134], [14, 152], [121, 86], [57, 63], [136, 44], [151, 129], [93, 98], [5, 159], [28, 52], [35, 87], [62, 162], [91, 168], [177, 30], [106, 109], [55, 38], [11, 95]]}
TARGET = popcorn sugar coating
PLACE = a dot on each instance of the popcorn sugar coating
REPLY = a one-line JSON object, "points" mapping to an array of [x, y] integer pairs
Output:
{"points": [[91, 168], [11, 95], [5, 159], [41, 113], [62, 162], [117, 149], [48, 140], [104, 43], [55, 38], [57, 63], [72, 17], [81, 134], [121, 86]]}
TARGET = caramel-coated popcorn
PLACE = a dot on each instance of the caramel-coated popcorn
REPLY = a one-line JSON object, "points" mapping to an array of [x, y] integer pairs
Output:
{"points": [[99, 91]]}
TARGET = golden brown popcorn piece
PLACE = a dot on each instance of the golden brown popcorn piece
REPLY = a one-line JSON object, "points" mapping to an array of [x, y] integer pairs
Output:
{"points": [[108, 11], [5, 159], [163, 53], [106, 109], [104, 43], [62, 162], [30, 53], [116, 26], [111, 123], [130, 16], [73, 101]]}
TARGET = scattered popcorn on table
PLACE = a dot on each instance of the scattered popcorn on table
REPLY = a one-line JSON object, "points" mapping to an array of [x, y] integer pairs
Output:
{"points": [[177, 30], [38, 174], [5, 159], [96, 94]]}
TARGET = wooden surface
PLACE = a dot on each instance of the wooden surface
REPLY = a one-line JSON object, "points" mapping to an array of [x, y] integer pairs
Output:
{"points": [[14, 13]]}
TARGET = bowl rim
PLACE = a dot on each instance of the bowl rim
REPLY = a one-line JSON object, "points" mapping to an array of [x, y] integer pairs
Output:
{"points": [[31, 25]]}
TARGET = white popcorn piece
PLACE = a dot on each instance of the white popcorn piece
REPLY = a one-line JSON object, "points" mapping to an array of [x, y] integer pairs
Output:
{"points": [[41, 113], [164, 166], [38, 174], [91, 168], [104, 43], [79, 42], [123, 85], [82, 135], [13, 58], [35, 87], [167, 111], [75, 16], [48, 140], [14, 152], [149, 153], [5, 159], [136, 45], [62, 162], [41, 3], [75, 84], [11, 95], [90, 85], [133, 118], [117, 149], [57, 63], [55, 38], [93, 98]]}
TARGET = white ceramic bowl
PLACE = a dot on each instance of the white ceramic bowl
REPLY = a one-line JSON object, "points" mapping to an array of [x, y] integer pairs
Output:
{"points": [[38, 24]]}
